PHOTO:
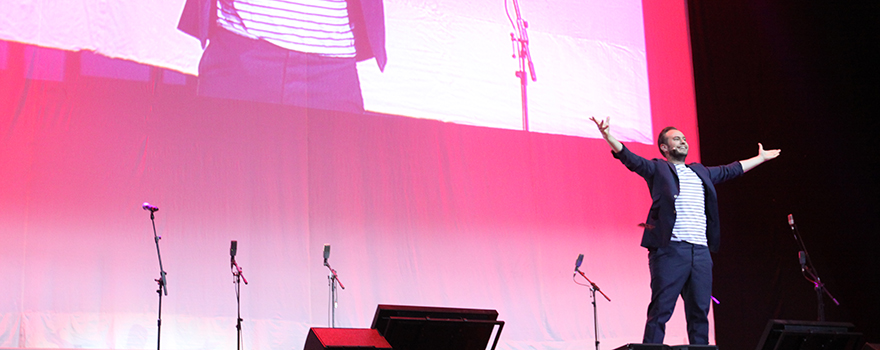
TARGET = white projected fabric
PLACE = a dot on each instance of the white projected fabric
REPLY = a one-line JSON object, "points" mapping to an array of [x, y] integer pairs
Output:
{"points": [[448, 60]]}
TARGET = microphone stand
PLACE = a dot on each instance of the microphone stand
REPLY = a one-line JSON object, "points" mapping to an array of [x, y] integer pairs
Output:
{"points": [[163, 285], [808, 270], [238, 276], [333, 279], [521, 50], [593, 289]]}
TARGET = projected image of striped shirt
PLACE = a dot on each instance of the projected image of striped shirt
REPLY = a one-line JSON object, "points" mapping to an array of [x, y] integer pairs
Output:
{"points": [[310, 26], [690, 208]]}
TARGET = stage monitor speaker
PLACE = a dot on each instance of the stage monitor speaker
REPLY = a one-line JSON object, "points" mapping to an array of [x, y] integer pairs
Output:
{"points": [[644, 347], [694, 347], [345, 338], [809, 335], [437, 328]]}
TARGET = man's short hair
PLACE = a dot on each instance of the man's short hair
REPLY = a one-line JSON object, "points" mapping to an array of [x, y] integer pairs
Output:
{"points": [[661, 139]]}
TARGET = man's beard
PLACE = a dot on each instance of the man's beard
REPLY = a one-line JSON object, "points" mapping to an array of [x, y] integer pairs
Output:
{"points": [[676, 155]]}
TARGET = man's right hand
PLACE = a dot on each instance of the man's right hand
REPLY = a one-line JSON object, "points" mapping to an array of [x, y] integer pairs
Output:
{"points": [[605, 128], [603, 125]]}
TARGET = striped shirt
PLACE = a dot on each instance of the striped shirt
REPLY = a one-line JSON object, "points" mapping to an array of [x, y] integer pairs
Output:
{"points": [[690, 208], [311, 26]]}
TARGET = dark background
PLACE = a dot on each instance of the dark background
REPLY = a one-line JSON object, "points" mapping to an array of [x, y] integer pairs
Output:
{"points": [[801, 76]]}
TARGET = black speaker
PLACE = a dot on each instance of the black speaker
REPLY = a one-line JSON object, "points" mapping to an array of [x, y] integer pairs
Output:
{"points": [[345, 338], [409, 327], [809, 335], [644, 347], [694, 347]]}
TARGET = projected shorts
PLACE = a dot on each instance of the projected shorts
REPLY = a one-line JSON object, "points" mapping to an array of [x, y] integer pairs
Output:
{"points": [[241, 68]]}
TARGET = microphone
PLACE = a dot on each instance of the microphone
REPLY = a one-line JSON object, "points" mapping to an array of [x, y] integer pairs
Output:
{"points": [[578, 263], [791, 220], [326, 253], [151, 208], [802, 258], [233, 249]]}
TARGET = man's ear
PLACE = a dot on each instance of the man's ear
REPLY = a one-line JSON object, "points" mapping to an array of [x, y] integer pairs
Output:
{"points": [[664, 148]]}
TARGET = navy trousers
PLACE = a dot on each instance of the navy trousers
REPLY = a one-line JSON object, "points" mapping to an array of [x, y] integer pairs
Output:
{"points": [[240, 68], [679, 269]]}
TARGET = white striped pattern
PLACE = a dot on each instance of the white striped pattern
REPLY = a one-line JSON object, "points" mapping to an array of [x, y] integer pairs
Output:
{"points": [[690, 208], [311, 26]]}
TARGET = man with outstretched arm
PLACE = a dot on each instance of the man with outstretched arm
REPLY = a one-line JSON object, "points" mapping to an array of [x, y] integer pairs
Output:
{"points": [[682, 227]]}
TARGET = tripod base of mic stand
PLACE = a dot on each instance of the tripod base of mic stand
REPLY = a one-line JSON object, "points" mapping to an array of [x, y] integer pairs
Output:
{"points": [[665, 347]]}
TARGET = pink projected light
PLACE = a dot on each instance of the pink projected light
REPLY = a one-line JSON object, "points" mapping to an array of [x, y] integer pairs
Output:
{"points": [[454, 207]]}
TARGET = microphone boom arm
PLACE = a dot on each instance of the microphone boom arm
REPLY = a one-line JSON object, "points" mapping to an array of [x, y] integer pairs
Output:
{"points": [[810, 273], [593, 285]]}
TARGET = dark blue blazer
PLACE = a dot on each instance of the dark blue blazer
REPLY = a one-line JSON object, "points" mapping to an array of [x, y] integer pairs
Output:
{"points": [[663, 184], [199, 19]]}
